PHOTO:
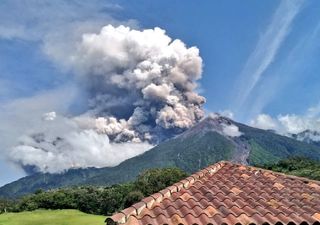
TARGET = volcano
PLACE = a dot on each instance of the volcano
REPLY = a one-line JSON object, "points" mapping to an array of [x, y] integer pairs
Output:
{"points": [[213, 139]]}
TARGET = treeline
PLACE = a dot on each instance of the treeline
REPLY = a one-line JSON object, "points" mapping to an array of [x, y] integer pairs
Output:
{"points": [[97, 200], [297, 166]]}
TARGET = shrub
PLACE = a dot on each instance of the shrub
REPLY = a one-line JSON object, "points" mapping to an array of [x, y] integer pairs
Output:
{"points": [[154, 180], [132, 197]]}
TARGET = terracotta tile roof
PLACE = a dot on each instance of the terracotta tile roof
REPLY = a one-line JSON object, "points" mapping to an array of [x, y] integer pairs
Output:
{"points": [[227, 193]]}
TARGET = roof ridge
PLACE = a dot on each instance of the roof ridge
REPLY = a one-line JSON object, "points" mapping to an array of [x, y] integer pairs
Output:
{"points": [[148, 202], [190, 185], [158, 197], [276, 173]]}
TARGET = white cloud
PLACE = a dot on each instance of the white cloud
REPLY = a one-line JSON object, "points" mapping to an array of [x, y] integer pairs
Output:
{"points": [[290, 123], [40, 20], [53, 143], [49, 116], [20, 116], [266, 49], [295, 124], [231, 130], [227, 113], [73, 148], [264, 121]]}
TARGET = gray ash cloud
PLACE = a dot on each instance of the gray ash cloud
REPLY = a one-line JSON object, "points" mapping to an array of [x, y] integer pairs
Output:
{"points": [[141, 89], [141, 83]]}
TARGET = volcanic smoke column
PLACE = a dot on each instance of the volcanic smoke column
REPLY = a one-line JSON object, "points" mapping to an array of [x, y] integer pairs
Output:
{"points": [[141, 83]]}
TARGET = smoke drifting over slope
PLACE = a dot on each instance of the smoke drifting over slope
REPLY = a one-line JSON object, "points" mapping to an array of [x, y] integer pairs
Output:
{"points": [[60, 144], [141, 88]]}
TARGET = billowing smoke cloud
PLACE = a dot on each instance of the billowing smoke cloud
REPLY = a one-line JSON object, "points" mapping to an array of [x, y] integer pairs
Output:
{"points": [[141, 88], [141, 84]]}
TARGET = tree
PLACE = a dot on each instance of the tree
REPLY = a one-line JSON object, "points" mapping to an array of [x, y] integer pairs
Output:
{"points": [[154, 180], [297, 166], [132, 197], [6, 205]]}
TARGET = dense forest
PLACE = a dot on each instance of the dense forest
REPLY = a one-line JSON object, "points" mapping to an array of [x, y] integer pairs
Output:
{"points": [[97, 200], [297, 166], [107, 200]]}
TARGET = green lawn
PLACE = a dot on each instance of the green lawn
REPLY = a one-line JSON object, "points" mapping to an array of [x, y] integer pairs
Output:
{"points": [[51, 217]]}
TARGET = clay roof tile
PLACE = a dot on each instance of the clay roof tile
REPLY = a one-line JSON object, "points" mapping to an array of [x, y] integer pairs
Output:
{"points": [[230, 194]]}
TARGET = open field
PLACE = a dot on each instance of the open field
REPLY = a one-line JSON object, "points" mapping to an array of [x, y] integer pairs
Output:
{"points": [[51, 217]]}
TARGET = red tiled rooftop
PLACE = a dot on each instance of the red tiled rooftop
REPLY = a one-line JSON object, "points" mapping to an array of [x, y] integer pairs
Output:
{"points": [[227, 193]]}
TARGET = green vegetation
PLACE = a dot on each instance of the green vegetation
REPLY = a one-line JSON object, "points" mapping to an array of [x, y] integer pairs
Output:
{"points": [[97, 200], [268, 147], [297, 166], [154, 180], [259, 155], [51, 217]]}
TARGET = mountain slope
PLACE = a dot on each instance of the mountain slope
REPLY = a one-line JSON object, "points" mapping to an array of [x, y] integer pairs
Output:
{"points": [[211, 140], [269, 147]]}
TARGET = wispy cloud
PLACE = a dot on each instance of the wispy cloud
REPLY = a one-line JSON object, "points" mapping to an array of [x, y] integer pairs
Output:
{"points": [[291, 69], [266, 49], [35, 20]]}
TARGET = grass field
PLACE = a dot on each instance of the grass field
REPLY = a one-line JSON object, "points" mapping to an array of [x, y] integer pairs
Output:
{"points": [[51, 217]]}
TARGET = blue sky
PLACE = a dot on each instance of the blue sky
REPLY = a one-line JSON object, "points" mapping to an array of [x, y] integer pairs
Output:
{"points": [[260, 57], [226, 32]]}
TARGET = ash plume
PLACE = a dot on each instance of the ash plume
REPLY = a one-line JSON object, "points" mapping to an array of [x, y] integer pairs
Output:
{"points": [[141, 84], [140, 87]]}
